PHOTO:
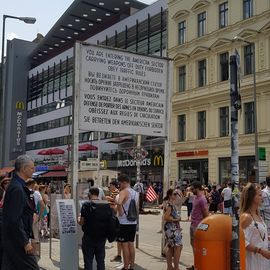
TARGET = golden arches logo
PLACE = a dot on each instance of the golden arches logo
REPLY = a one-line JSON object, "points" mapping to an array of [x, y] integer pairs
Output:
{"points": [[158, 161], [20, 105], [103, 164]]}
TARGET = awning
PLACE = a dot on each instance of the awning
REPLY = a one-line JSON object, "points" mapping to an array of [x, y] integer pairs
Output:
{"points": [[37, 174], [6, 170], [54, 174]]}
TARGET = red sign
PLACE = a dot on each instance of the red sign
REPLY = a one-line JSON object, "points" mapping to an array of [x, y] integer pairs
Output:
{"points": [[195, 153]]}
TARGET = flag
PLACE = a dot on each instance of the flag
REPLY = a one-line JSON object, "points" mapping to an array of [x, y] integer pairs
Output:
{"points": [[151, 195]]}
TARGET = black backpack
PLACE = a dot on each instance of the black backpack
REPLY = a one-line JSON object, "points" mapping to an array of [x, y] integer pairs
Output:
{"points": [[114, 228], [132, 213], [97, 222]]}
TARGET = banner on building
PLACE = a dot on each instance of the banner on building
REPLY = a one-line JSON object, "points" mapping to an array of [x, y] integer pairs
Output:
{"points": [[121, 92]]}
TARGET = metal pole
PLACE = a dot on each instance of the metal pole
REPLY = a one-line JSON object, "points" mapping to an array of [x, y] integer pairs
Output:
{"points": [[167, 142], [75, 117], [255, 115], [2, 95], [98, 168], [235, 106], [138, 164], [256, 143], [75, 126], [50, 244], [69, 145]]}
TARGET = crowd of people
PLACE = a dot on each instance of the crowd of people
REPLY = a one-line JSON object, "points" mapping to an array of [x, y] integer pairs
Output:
{"points": [[25, 206], [201, 201]]}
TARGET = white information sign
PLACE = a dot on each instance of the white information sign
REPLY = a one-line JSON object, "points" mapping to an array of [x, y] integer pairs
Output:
{"points": [[69, 256], [122, 92], [89, 164]]}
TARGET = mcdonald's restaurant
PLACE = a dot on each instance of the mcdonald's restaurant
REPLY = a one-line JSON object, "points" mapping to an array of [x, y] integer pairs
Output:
{"points": [[151, 168]]}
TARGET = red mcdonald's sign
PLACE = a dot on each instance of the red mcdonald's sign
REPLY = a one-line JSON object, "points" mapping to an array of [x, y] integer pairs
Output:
{"points": [[194, 153]]}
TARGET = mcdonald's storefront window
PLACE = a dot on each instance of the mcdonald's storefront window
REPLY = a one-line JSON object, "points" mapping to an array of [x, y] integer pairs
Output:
{"points": [[193, 170]]}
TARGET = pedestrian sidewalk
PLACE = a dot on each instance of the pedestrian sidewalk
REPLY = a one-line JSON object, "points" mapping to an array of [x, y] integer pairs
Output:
{"points": [[147, 257]]}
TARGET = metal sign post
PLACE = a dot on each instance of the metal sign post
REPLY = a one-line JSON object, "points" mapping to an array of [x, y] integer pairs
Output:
{"points": [[138, 164], [235, 107]]}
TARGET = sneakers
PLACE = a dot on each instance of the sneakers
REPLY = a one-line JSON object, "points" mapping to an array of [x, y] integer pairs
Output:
{"points": [[117, 258]]}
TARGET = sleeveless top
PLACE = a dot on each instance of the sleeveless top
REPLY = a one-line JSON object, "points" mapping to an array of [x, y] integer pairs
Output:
{"points": [[123, 219], [257, 236]]}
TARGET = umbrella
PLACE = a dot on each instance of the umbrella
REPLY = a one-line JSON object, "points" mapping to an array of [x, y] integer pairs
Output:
{"points": [[87, 147], [56, 151], [84, 147], [44, 152]]}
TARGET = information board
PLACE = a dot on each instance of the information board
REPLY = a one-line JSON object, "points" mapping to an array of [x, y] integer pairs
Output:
{"points": [[121, 92], [68, 234]]}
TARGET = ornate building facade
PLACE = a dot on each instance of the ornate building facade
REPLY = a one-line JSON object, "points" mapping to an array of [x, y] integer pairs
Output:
{"points": [[201, 40]]}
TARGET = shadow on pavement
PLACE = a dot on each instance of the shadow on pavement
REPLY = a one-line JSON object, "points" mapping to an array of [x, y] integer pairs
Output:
{"points": [[138, 267], [162, 259]]}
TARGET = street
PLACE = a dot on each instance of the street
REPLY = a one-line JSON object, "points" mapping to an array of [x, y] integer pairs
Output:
{"points": [[148, 255]]}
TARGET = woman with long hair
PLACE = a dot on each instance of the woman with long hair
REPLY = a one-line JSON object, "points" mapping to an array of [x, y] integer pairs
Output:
{"points": [[255, 231], [172, 230]]}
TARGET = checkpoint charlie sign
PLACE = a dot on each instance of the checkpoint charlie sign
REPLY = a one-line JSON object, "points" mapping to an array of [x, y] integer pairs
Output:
{"points": [[122, 92]]}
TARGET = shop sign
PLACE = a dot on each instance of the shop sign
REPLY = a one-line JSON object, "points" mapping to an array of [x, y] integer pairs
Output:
{"points": [[104, 164], [262, 153], [158, 161], [89, 164], [133, 163], [195, 153], [19, 115]]}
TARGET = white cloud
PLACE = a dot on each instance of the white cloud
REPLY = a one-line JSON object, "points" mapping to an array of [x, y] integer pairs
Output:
{"points": [[11, 36]]}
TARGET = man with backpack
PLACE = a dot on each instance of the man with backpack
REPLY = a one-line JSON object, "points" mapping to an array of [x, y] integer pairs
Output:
{"points": [[127, 207], [95, 220]]}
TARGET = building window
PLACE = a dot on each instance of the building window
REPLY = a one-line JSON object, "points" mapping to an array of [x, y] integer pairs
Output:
{"points": [[223, 15], [181, 128], [246, 166], [182, 32], [224, 121], [202, 73], [201, 24], [224, 66], [249, 118], [248, 59], [182, 78], [247, 9], [202, 125]]}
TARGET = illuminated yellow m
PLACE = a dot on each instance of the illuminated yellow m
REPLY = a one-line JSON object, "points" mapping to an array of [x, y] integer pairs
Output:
{"points": [[158, 161], [19, 105]]}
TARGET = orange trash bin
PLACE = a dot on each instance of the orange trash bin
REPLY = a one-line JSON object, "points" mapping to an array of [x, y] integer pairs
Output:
{"points": [[212, 244]]}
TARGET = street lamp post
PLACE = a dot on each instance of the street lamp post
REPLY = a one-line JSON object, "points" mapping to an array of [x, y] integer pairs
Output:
{"points": [[28, 20], [237, 38]]}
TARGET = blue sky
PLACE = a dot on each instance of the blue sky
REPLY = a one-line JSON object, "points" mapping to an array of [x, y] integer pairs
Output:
{"points": [[46, 12]]}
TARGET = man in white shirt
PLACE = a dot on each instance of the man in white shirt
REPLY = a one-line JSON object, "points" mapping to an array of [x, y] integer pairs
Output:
{"points": [[127, 232], [227, 195], [265, 208]]}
